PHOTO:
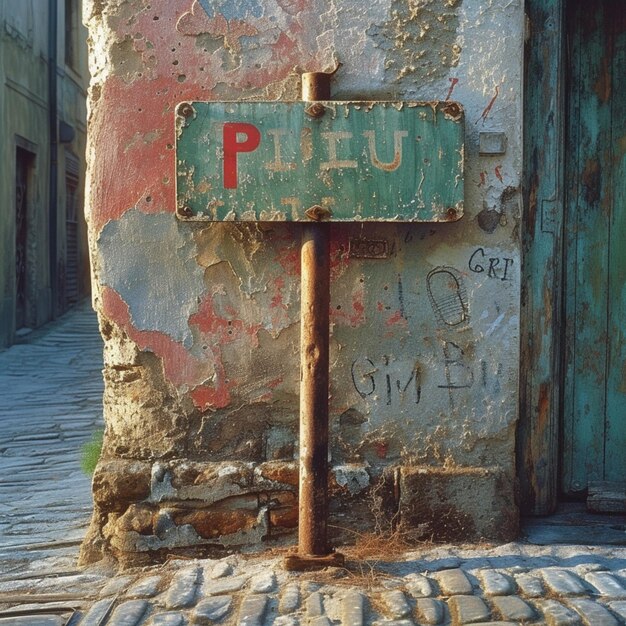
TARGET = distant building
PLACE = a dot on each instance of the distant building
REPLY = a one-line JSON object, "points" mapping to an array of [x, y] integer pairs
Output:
{"points": [[44, 266]]}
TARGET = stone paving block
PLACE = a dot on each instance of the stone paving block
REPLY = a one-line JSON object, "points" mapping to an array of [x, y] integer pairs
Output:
{"points": [[211, 609], [314, 604], [97, 612], [395, 622], [619, 608], [116, 585], [333, 603], [221, 569], [607, 585], [252, 610], [128, 613], [429, 611], [500, 624], [286, 620], [396, 604], [468, 610], [563, 583], [495, 583], [263, 583], [144, 588], [454, 582], [34, 620], [289, 599], [183, 588], [221, 586], [352, 608], [593, 613], [530, 585], [308, 586], [321, 620], [584, 568], [419, 586], [556, 614], [167, 619], [513, 608]]}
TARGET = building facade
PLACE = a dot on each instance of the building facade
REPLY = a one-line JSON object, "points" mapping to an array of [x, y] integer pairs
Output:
{"points": [[430, 435], [44, 267]]}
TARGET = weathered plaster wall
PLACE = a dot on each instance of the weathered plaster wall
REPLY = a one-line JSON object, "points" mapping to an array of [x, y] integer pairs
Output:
{"points": [[201, 320]]}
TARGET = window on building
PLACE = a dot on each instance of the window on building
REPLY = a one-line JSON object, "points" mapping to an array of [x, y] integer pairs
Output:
{"points": [[71, 33]]}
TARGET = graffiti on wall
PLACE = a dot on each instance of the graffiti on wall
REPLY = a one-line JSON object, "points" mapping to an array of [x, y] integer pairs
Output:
{"points": [[401, 382]]}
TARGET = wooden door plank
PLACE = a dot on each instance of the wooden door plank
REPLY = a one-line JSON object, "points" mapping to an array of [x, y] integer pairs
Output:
{"points": [[615, 433], [587, 254], [538, 427]]}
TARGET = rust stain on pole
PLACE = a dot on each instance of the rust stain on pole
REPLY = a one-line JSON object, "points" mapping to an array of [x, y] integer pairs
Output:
{"points": [[313, 548], [316, 86], [313, 507]]}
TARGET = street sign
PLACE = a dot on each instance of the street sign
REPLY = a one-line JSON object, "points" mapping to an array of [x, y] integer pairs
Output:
{"points": [[335, 161]]}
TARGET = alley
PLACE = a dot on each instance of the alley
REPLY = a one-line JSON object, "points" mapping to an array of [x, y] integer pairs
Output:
{"points": [[50, 405]]}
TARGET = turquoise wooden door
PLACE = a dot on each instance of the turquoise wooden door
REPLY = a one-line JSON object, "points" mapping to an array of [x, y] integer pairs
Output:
{"points": [[594, 402]]}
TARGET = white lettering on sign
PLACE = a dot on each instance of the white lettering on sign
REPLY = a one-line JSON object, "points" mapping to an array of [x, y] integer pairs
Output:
{"points": [[277, 165], [306, 144], [240, 137], [397, 150], [333, 163]]}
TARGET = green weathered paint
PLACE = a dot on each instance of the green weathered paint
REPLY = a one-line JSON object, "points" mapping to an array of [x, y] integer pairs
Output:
{"points": [[538, 433], [375, 161], [594, 406]]}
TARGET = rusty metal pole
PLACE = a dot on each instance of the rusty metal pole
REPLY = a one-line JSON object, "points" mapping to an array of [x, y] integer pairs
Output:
{"points": [[313, 549]]}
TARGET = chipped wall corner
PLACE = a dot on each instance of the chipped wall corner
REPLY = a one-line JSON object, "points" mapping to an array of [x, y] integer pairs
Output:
{"points": [[201, 320]]}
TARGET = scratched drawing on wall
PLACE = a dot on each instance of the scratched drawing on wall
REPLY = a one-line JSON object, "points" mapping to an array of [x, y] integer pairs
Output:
{"points": [[387, 379], [448, 296], [498, 267]]}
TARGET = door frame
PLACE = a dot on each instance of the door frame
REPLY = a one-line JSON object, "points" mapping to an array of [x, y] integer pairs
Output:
{"points": [[539, 432], [30, 149]]}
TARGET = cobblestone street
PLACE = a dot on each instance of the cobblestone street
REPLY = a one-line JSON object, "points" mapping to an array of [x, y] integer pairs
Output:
{"points": [[51, 404], [51, 390]]}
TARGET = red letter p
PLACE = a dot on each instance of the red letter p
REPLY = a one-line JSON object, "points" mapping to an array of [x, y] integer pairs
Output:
{"points": [[232, 147]]}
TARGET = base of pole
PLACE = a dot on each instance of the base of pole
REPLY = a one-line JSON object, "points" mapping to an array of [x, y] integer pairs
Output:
{"points": [[296, 562]]}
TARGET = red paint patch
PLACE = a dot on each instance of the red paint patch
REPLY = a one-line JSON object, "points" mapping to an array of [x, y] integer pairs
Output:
{"points": [[355, 317], [453, 83], [381, 448], [179, 366], [488, 108], [219, 329], [289, 258], [396, 318], [277, 298], [206, 398]]}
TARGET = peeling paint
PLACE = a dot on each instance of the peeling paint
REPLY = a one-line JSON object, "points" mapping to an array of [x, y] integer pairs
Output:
{"points": [[156, 269], [201, 320], [419, 38]]}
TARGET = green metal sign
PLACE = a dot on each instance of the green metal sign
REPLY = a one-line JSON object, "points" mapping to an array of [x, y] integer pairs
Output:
{"points": [[336, 161]]}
